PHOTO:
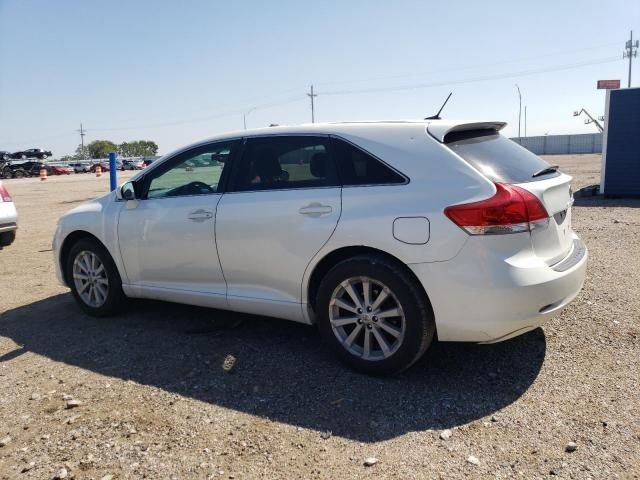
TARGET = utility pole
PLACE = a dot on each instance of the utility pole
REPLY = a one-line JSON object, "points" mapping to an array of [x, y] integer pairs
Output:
{"points": [[83, 132], [312, 96], [630, 52], [525, 121], [519, 111]]}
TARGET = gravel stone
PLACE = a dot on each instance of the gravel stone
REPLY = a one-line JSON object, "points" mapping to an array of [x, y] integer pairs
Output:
{"points": [[571, 447], [370, 461], [473, 460], [445, 434]]}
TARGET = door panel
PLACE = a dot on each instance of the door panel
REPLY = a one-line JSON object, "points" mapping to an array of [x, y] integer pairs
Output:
{"points": [[167, 238], [267, 238], [170, 243]]}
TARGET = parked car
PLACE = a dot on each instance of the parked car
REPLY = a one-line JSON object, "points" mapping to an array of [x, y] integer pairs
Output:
{"points": [[58, 170], [5, 169], [23, 169], [390, 235], [4, 155], [8, 218], [132, 164], [31, 153], [80, 167]]}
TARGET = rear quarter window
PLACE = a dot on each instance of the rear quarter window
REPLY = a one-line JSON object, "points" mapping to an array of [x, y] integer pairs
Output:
{"points": [[497, 157]]}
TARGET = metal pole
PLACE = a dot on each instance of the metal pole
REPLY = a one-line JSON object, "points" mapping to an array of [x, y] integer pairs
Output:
{"points": [[312, 96], [244, 116], [113, 171], [525, 121], [519, 111]]}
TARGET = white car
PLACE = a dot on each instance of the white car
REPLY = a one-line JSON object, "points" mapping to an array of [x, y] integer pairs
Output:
{"points": [[8, 218], [385, 234]]}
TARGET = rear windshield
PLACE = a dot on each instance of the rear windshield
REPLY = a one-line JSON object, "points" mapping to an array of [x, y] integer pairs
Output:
{"points": [[497, 157]]}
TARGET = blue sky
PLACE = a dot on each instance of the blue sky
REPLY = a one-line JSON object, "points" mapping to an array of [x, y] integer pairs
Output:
{"points": [[177, 72]]}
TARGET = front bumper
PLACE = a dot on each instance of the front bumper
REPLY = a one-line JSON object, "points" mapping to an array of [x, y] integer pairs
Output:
{"points": [[483, 296]]}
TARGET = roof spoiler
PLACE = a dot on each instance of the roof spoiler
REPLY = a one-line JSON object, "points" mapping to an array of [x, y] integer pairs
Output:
{"points": [[439, 130]]}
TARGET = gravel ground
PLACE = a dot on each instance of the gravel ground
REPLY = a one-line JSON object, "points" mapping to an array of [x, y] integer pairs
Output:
{"points": [[169, 391]]}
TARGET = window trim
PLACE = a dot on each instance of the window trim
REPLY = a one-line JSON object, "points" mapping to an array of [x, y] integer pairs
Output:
{"points": [[233, 177], [145, 181], [407, 180]]}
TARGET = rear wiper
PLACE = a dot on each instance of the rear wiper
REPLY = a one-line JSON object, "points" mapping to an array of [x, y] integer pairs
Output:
{"points": [[549, 169]]}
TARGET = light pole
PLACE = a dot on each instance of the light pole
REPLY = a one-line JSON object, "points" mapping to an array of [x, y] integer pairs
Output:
{"points": [[244, 116], [519, 111]]}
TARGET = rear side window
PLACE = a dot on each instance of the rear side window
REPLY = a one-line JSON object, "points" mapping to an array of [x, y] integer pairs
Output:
{"points": [[357, 167], [497, 157], [286, 162]]}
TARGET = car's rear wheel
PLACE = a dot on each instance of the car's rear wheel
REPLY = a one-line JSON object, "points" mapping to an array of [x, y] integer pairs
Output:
{"points": [[19, 173], [374, 315], [94, 279]]}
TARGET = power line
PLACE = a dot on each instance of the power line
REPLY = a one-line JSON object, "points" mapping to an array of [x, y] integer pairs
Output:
{"points": [[466, 67], [520, 73], [200, 119]]}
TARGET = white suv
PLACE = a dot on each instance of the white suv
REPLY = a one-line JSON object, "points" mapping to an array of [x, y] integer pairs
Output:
{"points": [[385, 234]]}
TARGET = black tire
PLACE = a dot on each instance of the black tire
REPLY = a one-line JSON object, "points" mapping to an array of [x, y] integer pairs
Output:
{"points": [[419, 319], [7, 238], [115, 299], [19, 173]]}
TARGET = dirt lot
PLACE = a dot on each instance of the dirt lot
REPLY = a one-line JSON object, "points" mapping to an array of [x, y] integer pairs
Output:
{"points": [[156, 402]]}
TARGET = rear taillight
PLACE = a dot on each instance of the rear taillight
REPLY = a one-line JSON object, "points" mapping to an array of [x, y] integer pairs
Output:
{"points": [[4, 195], [511, 210]]}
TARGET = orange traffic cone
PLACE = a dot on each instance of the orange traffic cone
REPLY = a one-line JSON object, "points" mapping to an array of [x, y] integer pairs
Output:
{"points": [[43, 174], [98, 170]]}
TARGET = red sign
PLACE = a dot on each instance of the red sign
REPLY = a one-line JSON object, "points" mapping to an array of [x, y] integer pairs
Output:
{"points": [[608, 84]]}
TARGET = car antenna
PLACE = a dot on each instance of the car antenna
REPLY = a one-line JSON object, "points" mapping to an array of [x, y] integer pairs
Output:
{"points": [[437, 115]]}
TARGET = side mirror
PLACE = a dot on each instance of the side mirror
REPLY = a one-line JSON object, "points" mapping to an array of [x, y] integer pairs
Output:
{"points": [[126, 191]]}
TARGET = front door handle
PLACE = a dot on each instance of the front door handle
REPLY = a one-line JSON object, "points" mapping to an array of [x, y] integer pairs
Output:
{"points": [[200, 215], [316, 209]]}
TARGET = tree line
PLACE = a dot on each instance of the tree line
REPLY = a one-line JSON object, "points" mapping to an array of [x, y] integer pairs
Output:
{"points": [[102, 149]]}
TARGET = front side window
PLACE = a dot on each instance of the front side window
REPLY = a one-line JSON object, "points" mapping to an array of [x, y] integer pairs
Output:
{"points": [[195, 172], [281, 162], [357, 167]]}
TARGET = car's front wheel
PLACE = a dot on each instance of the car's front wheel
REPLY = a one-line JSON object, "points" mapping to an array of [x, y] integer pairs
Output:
{"points": [[374, 315], [94, 279]]}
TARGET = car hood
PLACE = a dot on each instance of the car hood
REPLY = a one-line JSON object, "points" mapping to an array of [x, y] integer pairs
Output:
{"points": [[94, 206]]}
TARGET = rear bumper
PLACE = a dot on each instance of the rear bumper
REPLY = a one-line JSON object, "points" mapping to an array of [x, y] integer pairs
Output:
{"points": [[483, 296]]}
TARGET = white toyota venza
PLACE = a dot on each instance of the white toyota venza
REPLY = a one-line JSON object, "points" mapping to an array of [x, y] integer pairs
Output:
{"points": [[386, 235]]}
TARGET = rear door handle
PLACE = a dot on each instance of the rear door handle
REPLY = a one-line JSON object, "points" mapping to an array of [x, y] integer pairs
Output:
{"points": [[315, 209], [200, 215]]}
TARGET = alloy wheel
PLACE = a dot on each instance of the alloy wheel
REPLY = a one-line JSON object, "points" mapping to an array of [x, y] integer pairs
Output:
{"points": [[367, 318], [90, 279]]}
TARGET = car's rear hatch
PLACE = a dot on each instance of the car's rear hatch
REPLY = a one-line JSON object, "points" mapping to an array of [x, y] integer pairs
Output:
{"points": [[504, 161]]}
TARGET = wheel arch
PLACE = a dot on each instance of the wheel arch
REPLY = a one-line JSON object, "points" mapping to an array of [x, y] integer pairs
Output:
{"points": [[69, 241], [336, 256]]}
